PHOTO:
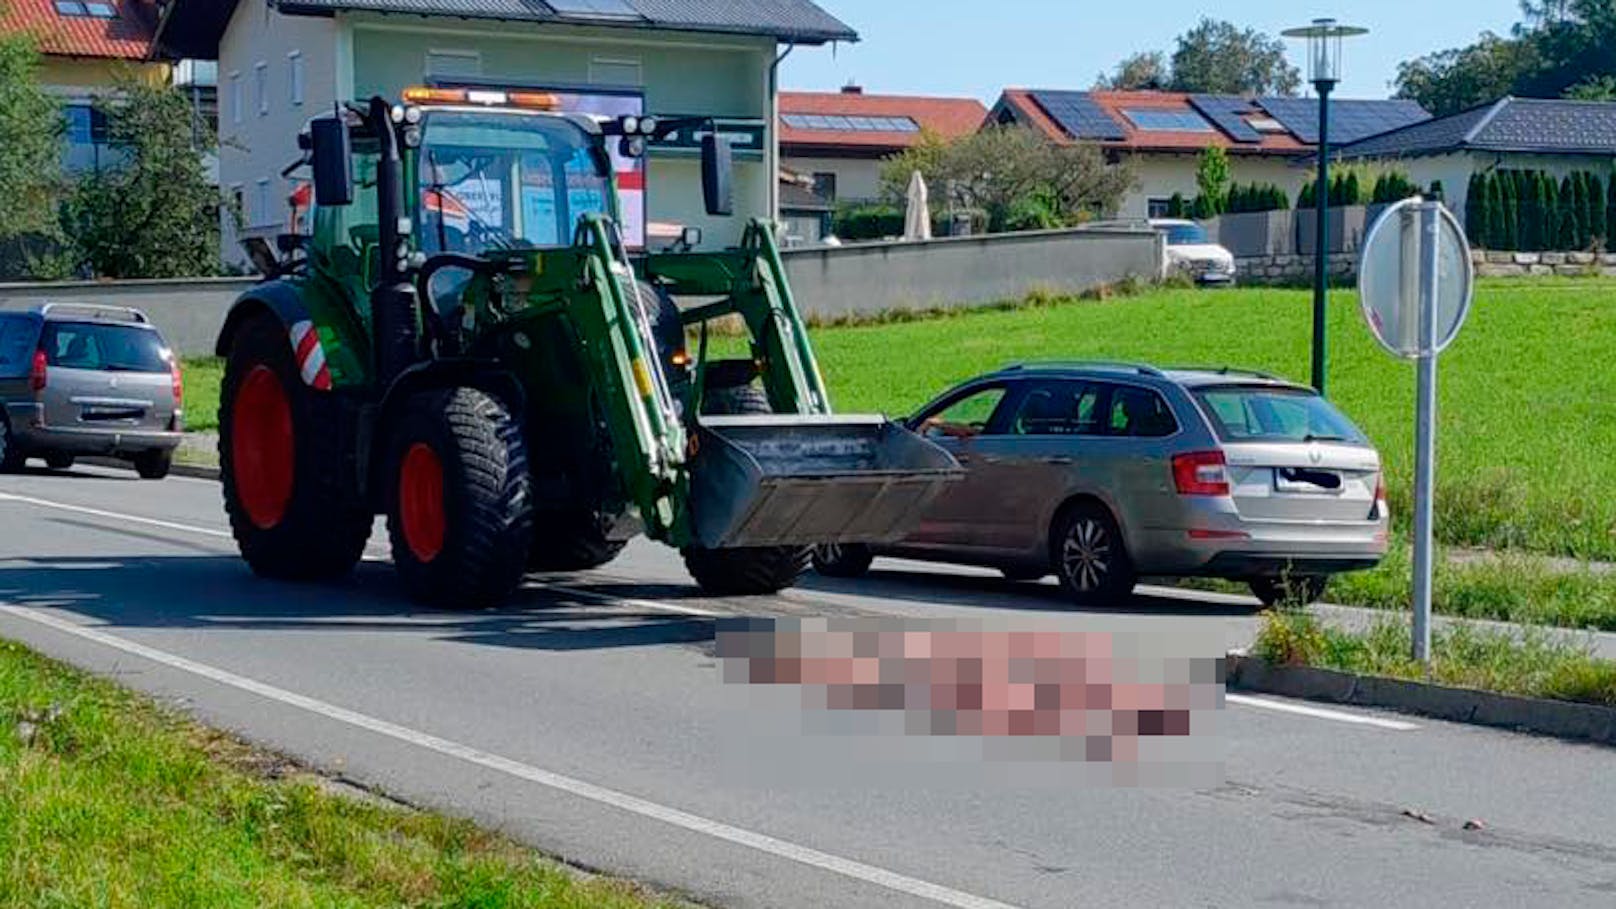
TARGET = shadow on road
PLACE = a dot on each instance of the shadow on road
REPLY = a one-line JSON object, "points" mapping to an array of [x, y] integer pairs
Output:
{"points": [[218, 592], [989, 592]]}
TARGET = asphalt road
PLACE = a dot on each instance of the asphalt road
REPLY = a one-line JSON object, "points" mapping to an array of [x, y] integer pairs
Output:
{"points": [[589, 719]]}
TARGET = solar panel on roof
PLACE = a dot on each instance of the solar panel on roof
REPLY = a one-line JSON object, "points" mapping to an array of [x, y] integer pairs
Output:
{"points": [[1077, 113], [1227, 112], [1350, 120]]}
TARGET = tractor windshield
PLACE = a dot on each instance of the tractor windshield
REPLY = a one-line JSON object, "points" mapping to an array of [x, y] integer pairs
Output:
{"points": [[506, 180]]}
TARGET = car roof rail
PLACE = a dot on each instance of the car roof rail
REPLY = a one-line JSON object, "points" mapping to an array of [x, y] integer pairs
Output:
{"points": [[95, 311], [1143, 369], [1230, 371]]}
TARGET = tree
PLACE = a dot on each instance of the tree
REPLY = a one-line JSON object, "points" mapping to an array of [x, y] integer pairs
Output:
{"points": [[1476, 209], [1593, 88], [1177, 207], [1610, 212], [1561, 48], [1495, 214], [1595, 208], [1510, 208], [30, 160], [1212, 177], [1146, 70], [1217, 57], [1012, 174], [155, 215], [1552, 238]]}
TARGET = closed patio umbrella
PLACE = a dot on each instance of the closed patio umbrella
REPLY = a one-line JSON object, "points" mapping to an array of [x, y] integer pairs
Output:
{"points": [[917, 221]]}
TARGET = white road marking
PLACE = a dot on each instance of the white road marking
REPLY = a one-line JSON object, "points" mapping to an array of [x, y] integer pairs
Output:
{"points": [[1321, 713], [835, 864], [654, 605], [116, 516]]}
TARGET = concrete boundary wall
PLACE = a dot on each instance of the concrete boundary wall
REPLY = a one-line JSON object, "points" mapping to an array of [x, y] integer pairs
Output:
{"points": [[189, 312], [863, 278], [832, 281]]}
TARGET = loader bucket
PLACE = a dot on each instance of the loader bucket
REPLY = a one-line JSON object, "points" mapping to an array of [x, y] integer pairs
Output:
{"points": [[804, 480]]}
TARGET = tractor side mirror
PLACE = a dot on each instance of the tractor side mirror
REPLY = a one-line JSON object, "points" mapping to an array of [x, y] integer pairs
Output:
{"points": [[332, 161], [718, 174]]}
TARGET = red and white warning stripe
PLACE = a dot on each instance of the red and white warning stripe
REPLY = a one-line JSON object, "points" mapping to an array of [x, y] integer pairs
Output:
{"points": [[310, 356]]}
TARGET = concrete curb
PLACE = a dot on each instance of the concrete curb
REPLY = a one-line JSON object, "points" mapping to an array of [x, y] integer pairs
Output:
{"points": [[180, 468], [1560, 719]]}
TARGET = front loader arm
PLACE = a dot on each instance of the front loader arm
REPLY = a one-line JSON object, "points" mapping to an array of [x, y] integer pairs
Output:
{"points": [[648, 441]]}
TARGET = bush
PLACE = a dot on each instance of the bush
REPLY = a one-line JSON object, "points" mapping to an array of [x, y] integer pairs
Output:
{"points": [[1256, 197], [1392, 186], [1177, 207], [868, 222]]}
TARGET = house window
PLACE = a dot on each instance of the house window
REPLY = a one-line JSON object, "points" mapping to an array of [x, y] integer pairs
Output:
{"points": [[236, 101], [454, 63], [1159, 208], [238, 201], [1167, 120], [825, 186], [264, 204], [261, 87], [91, 9], [294, 75]]}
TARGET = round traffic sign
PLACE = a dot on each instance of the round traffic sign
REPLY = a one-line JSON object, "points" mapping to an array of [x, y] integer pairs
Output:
{"points": [[1391, 270]]}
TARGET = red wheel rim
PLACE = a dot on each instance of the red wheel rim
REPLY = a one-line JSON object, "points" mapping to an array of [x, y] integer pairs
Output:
{"points": [[420, 502], [261, 447]]}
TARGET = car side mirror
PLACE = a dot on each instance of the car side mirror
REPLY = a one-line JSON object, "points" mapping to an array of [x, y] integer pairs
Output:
{"points": [[332, 161], [718, 174], [690, 237]]}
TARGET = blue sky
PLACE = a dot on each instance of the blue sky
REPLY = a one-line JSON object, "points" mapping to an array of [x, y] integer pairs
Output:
{"points": [[975, 48]]}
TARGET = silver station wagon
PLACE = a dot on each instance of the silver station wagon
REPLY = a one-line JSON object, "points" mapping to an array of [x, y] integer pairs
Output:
{"points": [[87, 380], [1101, 473]]}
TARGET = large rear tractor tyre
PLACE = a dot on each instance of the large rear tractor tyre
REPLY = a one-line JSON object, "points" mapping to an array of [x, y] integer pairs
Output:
{"points": [[747, 571], [571, 543], [460, 503], [281, 464]]}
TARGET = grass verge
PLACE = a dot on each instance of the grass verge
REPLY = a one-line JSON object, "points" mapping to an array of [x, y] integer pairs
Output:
{"points": [[1533, 664], [203, 377], [109, 800]]}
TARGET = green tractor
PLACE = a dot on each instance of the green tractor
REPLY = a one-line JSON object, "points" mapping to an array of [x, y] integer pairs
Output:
{"points": [[463, 343]]}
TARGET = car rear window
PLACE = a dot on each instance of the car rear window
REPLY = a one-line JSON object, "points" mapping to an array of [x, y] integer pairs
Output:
{"points": [[1244, 413], [16, 345], [94, 345]]}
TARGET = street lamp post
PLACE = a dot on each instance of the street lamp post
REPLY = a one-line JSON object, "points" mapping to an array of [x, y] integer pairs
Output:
{"points": [[1324, 71]]}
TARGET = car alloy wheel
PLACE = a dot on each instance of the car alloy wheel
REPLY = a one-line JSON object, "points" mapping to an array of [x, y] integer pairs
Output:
{"points": [[1086, 554]]}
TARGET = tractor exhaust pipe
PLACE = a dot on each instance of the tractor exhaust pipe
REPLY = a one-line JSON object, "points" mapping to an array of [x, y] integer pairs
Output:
{"points": [[393, 303]]}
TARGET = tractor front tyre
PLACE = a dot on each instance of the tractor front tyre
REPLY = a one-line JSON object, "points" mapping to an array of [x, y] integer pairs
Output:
{"points": [[460, 503], [571, 543], [746, 572], [753, 570], [281, 464]]}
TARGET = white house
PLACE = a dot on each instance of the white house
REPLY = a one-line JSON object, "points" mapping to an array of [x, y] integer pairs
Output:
{"points": [[281, 62]]}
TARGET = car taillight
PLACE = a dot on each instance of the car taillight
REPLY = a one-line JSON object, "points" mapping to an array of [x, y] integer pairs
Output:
{"points": [[1380, 487], [179, 381], [1201, 473], [36, 375]]}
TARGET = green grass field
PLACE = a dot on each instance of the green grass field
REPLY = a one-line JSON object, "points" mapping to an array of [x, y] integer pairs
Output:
{"points": [[1528, 405], [108, 800]]}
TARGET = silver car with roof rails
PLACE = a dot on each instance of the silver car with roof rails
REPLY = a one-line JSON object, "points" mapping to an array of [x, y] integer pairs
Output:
{"points": [[1101, 473], [81, 380]]}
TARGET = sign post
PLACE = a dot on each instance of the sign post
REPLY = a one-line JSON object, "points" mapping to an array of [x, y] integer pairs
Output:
{"points": [[1415, 284]]}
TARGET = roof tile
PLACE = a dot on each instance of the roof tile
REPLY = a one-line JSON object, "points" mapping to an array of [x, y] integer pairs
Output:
{"points": [[948, 117], [126, 37]]}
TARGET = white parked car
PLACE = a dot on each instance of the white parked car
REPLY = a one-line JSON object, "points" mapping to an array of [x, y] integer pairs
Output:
{"points": [[1190, 252]]}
